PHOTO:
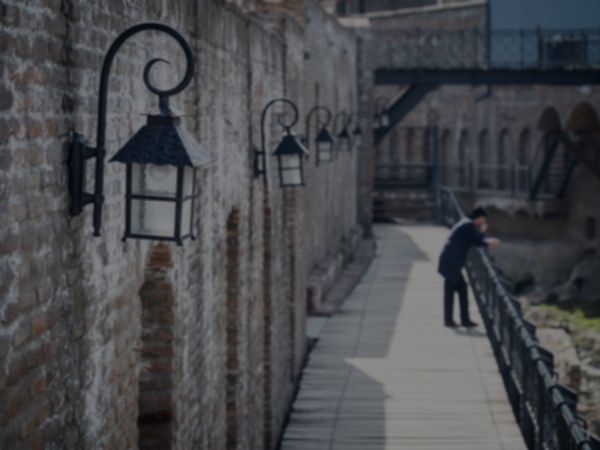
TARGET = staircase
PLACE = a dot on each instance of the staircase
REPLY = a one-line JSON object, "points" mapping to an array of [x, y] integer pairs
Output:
{"points": [[553, 167], [402, 106]]}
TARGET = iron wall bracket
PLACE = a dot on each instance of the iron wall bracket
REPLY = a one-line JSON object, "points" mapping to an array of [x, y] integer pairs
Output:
{"points": [[79, 152]]}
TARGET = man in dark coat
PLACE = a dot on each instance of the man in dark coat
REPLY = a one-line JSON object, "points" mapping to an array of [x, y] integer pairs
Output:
{"points": [[466, 233]]}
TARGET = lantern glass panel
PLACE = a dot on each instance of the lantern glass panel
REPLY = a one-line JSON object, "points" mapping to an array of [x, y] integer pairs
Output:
{"points": [[186, 218], [344, 144], [291, 177], [260, 162], [291, 161], [152, 179], [291, 169], [324, 152], [358, 139], [188, 181], [385, 120], [153, 217]]}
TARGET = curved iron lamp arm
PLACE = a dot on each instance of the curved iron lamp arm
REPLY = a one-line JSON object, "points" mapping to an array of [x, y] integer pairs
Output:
{"points": [[97, 198], [346, 120], [353, 117], [280, 121], [315, 110]]}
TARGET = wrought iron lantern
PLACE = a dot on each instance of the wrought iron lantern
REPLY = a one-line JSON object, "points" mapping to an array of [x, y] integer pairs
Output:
{"points": [[325, 140], [344, 138], [384, 119], [382, 116], [377, 121], [290, 152], [161, 160], [260, 164], [357, 134]]}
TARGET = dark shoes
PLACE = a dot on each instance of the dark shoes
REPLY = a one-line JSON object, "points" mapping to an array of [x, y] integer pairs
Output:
{"points": [[467, 324]]}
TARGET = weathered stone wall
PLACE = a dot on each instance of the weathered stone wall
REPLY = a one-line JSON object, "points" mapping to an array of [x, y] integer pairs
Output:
{"points": [[78, 340]]}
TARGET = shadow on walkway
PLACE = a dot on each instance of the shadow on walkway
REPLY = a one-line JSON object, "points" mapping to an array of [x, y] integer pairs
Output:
{"points": [[385, 374]]}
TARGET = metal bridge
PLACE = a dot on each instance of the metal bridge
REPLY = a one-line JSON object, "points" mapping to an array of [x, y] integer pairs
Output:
{"points": [[425, 59]]}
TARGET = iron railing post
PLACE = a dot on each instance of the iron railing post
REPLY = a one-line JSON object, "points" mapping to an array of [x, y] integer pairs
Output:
{"points": [[433, 142], [545, 410], [513, 180]]}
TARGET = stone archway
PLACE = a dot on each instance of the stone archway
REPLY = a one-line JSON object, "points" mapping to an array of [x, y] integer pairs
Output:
{"points": [[156, 414], [583, 119], [484, 173], [232, 331], [267, 324], [409, 145], [504, 159], [524, 161], [447, 159], [463, 159]]}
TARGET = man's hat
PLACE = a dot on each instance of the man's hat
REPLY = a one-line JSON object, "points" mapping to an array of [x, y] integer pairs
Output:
{"points": [[478, 212]]}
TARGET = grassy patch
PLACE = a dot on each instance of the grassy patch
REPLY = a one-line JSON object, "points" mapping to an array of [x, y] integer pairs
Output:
{"points": [[579, 315]]}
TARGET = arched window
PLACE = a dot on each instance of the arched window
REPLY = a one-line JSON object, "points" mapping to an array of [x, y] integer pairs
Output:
{"points": [[583, 119], [409, 144], [156, 399], [393, 150], [267, 279], [524, 160], [484, 173], [504, 160], [426, 146], [232, 331], [463, 158], [448, 165]]}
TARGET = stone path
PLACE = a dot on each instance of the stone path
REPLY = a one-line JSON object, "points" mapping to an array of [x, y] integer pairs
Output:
{"points": [[385, 374]]}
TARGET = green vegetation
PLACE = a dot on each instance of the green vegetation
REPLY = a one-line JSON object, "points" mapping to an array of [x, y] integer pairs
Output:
{"points": [[578, 315]]}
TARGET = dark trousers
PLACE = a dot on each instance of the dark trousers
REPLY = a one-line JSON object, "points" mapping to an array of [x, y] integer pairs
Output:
{"points": [[450, 287]]}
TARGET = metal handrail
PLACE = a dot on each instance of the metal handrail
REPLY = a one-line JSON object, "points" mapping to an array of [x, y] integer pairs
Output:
{"points": [[403, 175], [542, 49], [544, 408]]}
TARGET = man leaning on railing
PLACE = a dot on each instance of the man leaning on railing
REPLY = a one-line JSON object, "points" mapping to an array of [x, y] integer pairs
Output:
{"points": [[466, 233]]}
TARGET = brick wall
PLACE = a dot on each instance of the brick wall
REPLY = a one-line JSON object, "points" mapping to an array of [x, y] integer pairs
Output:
{"points": [[82, 354]]}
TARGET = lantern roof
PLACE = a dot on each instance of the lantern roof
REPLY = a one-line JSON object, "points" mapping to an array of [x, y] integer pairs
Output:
{"points": [[357, 131], [290, 145], [325, 136], [344, 133], [163, 140]]}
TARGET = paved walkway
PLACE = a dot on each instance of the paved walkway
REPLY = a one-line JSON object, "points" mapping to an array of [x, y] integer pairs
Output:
{"points": [[386, 374]]}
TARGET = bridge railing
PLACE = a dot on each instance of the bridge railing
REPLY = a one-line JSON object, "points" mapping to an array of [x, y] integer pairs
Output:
{"points": [[406, 175], [545, 409], [505, 180], [498, 180], [478, 48]]}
